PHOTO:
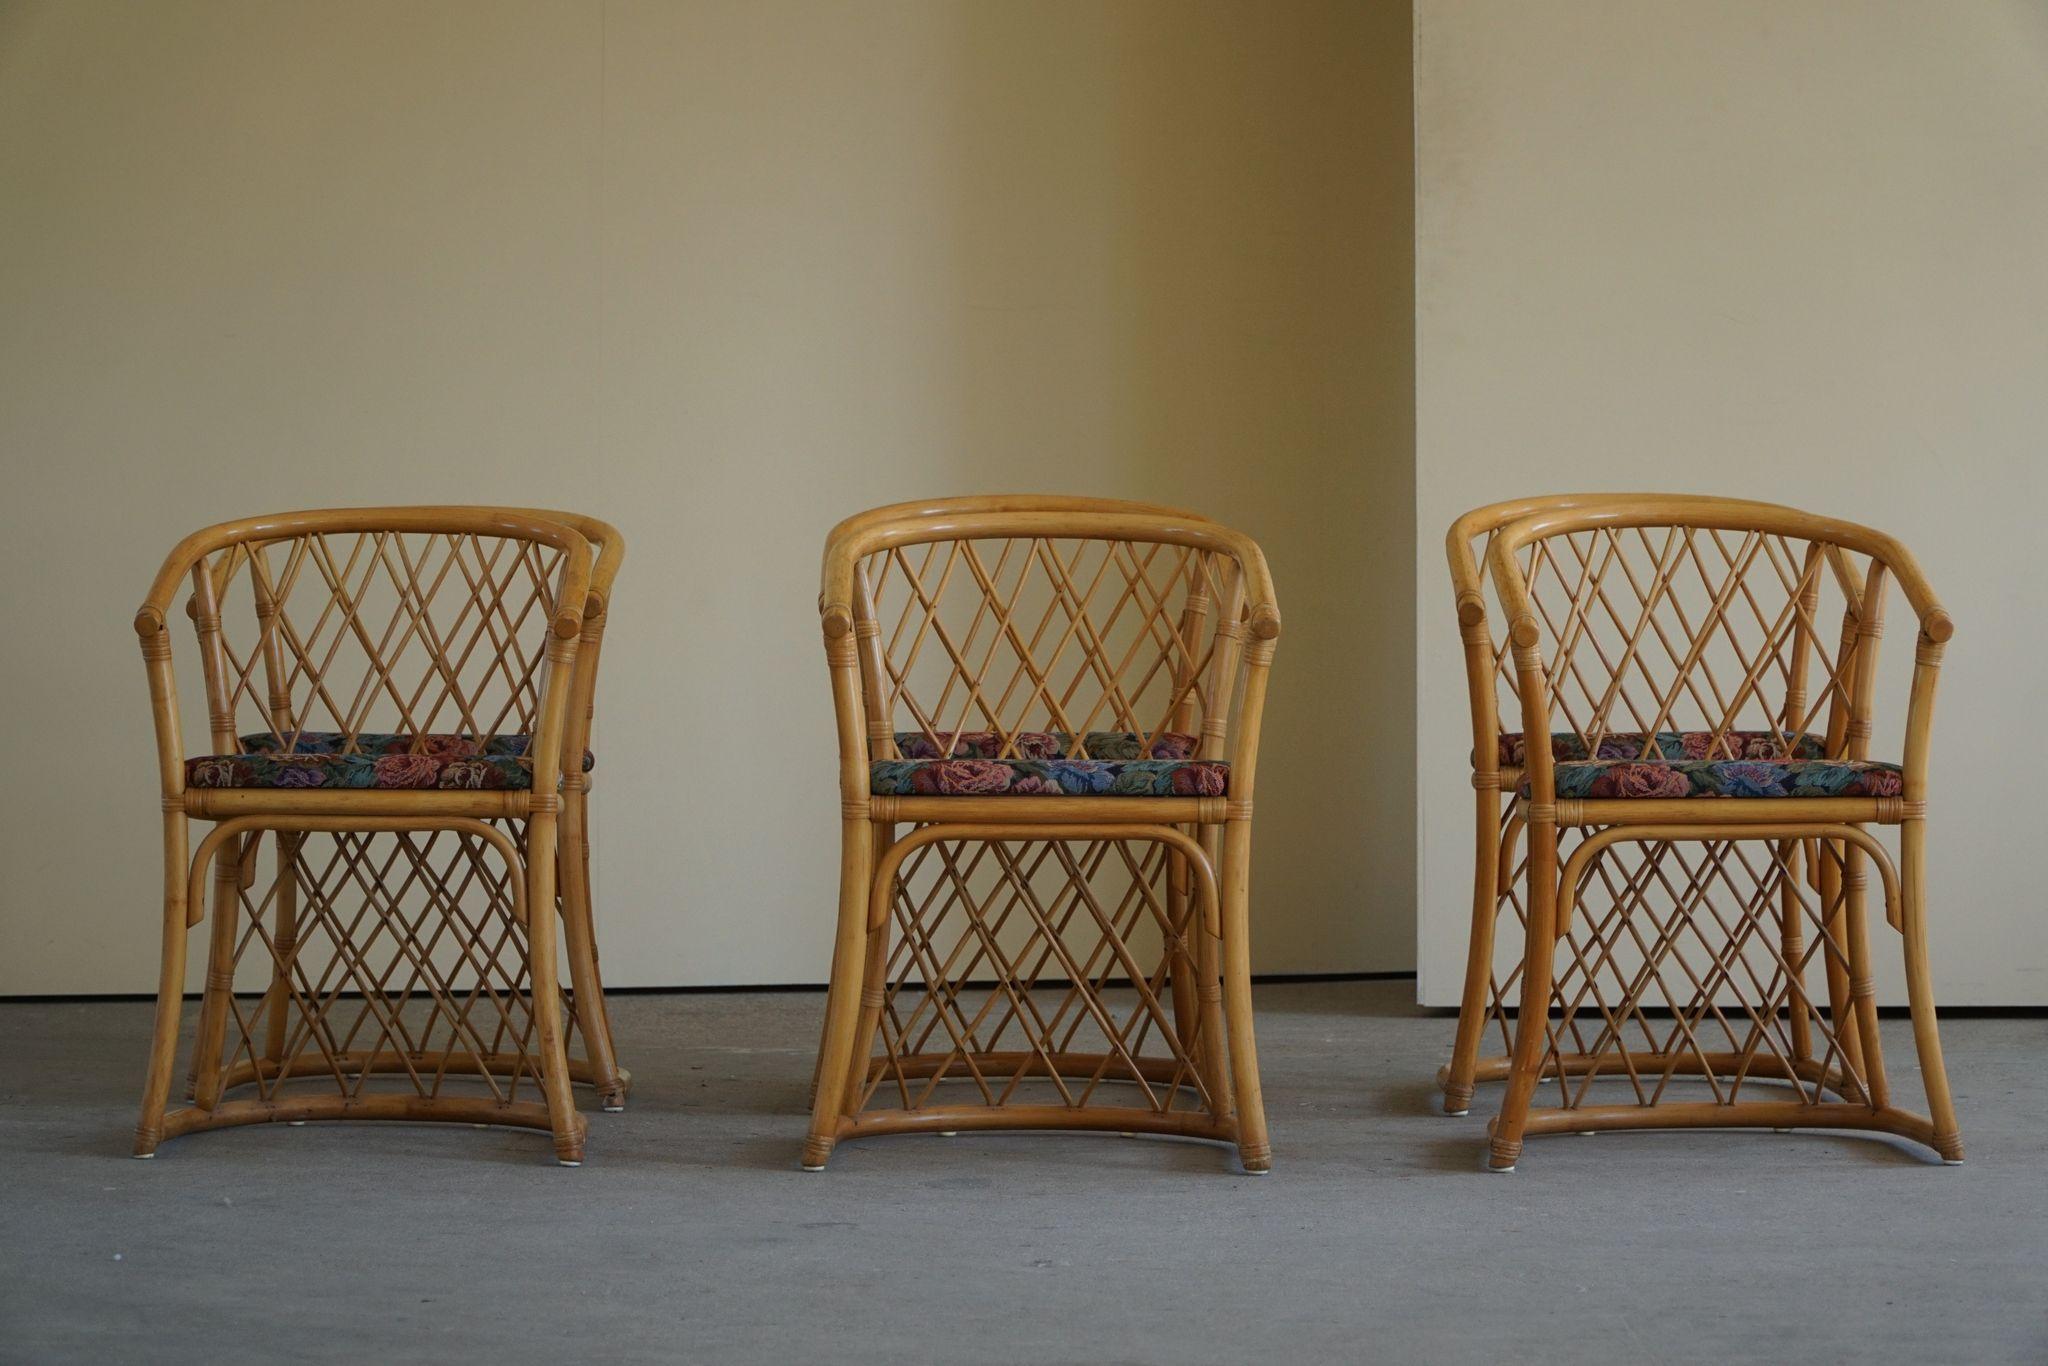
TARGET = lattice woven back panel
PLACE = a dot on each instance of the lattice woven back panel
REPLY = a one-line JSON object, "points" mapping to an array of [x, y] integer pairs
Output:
{"points": [[1665, 628], [376, 632], [1010, 959], [1051, 635], [390, 962]]}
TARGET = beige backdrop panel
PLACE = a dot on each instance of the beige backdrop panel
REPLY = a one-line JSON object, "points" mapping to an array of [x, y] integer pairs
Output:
{"points": [[721, 273], [1790, 252]]}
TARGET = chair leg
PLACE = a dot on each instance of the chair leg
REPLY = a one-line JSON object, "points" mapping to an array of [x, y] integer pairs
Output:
{"points": [[1862, 990], [1830, 859], [553, 1060], [286, 939], [170, 991], [1472, 1005], [842, 1001], [1532, 1020], [1941, 1109], [873, 992], [580, 939], [220, 970], [1181, 977], [1209, 993], [1253, 1147], [1792, 948]]}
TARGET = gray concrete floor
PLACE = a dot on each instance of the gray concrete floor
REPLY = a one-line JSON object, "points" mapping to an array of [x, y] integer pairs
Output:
{"points": [[690, 1235]]}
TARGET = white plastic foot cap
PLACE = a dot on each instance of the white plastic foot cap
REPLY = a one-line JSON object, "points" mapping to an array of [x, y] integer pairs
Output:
{"points": [[615, 1109], [300, 1123], [949, 1133], [565, 1162], [1457, 1114], [1946, 1161], [813, 1169], [144, 1157]]}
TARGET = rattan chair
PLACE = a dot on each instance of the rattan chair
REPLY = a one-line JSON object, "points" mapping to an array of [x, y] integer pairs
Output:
{"points": [[1042, 690], [1699, 817], [387, 694]]}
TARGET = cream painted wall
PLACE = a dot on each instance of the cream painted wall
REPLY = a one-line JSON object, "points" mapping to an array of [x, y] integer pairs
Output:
{"points": [[722, 272], [1788, 251]]}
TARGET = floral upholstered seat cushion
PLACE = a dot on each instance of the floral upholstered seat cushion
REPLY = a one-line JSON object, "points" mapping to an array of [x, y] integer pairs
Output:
{"points": [[1597, 778], [1049, 778], [387, 761], [1570, 746], [972, 763], [1043, 744]]}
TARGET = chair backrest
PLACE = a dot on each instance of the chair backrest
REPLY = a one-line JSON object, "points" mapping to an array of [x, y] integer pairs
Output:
{"points": [[1015, 617], [358, 622], [608, 549], [1489, 669], [1753, 625]]}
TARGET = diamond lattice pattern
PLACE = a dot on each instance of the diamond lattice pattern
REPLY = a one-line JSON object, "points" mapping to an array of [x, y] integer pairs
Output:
{"points": [[380, 631], [1037, 972], [1068, 636]]}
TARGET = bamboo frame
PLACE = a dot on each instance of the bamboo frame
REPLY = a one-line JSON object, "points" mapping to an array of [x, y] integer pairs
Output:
{"points": [[600, 1066], [1786, 1034], [1199, 601], [502, 659]]}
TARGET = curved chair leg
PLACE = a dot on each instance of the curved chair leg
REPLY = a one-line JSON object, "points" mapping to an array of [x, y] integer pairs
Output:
{"points": [[220, 972], [873, 992], [1253, 1146], [546, 994], [1862, 991], [286, 940], [170, 992], [580, 937], [1532, 1020], [1792, 947], [1211, 1055], [1472, 1005], [1181, 972], [1830, 860], [1941, 1109], [871, 982], [842, 1001]]}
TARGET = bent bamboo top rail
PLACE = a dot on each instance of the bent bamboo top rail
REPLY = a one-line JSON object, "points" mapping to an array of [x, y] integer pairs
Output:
{"points": [[1708, 514], [1050, 519], [969, 504], [460, 521], [1468, 571]]}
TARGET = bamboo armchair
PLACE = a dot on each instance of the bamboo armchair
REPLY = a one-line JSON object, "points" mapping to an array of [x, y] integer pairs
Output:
{"points": [[1041, 689], [392, 713], [1697, 797]]}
